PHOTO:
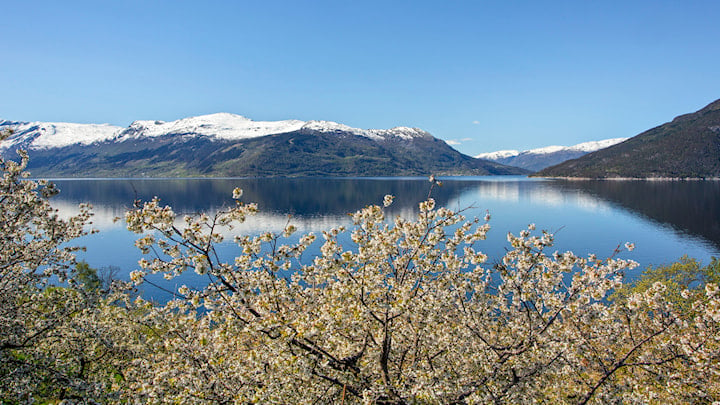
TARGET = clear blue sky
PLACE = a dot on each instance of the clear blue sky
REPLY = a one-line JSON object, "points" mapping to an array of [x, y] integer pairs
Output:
{"points": [[490, 74]]}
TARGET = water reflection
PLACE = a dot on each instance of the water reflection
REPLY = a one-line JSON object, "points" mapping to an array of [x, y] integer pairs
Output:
{"points": [[687, 206], [536, 192], [305, 197], [691, 207], [665, 219]]}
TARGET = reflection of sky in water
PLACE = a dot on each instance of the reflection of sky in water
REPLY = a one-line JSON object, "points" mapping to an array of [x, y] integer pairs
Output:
{"points": [[535, 192], [583, 221]]}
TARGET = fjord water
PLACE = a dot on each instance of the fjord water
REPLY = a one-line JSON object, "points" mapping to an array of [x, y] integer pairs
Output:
{"points": [[665, 219]]}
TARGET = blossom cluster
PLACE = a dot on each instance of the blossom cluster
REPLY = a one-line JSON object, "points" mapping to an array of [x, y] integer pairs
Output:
{"points": [[391, 310], [409, 310]]}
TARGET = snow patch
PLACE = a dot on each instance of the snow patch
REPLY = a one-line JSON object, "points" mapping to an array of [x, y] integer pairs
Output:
{"points": [[43, 135], [221, 125], [224, 126], [588, 147], [377, 134], [544, 150], [501, 154], [597, 145]]}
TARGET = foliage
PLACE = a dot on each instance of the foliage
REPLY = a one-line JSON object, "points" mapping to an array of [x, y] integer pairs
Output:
{"points": [[41, 352], [684, 281], [407, 312], [391, 311], [87, 277], [687, 288]]}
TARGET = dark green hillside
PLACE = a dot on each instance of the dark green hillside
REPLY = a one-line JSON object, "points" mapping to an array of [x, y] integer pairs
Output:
{"points": [[686, 147], [300, 153]]}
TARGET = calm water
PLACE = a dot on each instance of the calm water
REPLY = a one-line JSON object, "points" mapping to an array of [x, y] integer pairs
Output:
{"points": [[665, 220]]}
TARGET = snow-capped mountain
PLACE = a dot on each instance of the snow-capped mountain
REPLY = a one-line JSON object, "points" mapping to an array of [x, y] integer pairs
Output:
{"points": [[540, 158], [406, 133], [220, 126], [501, 154], [232, 145], [40, 135]]}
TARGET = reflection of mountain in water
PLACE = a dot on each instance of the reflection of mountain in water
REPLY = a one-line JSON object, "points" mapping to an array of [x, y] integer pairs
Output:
{"points": [[688, 206], [537, 193], [321, 203], [300, 197]]}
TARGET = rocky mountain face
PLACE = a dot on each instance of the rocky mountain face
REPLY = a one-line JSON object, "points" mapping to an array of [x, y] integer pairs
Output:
{"points": [[231, 145], [686, 147]]}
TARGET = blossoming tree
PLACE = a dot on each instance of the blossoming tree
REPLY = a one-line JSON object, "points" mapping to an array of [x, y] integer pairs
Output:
{"points": [[389, 311], [407, 311], [31, 253]]}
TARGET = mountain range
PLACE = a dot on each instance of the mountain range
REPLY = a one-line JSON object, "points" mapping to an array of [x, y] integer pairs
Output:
{"points": [[686, 147], [231, 145], [540, 158]]}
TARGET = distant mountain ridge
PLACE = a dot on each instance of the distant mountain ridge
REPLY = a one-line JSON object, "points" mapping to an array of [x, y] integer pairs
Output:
{"points": [[226, 144], [540, 158], [225, 126], [686, 147]]}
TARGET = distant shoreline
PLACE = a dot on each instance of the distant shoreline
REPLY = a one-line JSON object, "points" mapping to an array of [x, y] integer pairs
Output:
{"points": [[630, 178]]}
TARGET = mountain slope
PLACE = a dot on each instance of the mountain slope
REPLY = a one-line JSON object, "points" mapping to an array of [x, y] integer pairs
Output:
{"points": [[232, 145], [686, 147], [537, 159]]}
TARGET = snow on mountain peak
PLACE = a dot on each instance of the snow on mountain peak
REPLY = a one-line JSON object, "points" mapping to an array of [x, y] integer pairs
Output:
{"points": [[330, 126], [540, 158], [597, 145], [406, 132], [581, 147], [220, 125], [546, 149], [56, 134], [377, 134], [501, 154], [591, 146], [225, 126]]}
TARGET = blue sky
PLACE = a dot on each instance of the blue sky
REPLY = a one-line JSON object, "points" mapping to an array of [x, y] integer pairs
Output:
{"points": [[489, 74]]}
